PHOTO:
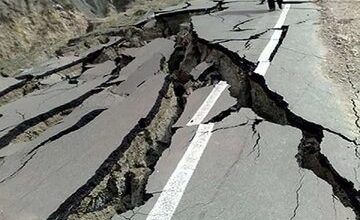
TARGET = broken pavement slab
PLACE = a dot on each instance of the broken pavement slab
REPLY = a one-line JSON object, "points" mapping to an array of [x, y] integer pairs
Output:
{"points": [[196, 100], [98, 70], [344, 157], [7, 82], [85, 157], [62, 63], [248, 162], [242, 27], [232, 167], [15, 156], [38, 104], [202, 69], [303, 85], [236, 163], [159, 47], [191, 6], [43, 100]]}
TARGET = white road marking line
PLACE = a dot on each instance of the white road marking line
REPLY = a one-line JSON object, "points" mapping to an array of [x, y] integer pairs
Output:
{"points": [[264, 58], [282, 17], [262, 67], [174, 189], [209, 102], [270, 47], [276, 35], [176, 185]]}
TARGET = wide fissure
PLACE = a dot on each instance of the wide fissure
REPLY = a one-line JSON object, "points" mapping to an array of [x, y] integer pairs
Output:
{"points": [[118, 185]]}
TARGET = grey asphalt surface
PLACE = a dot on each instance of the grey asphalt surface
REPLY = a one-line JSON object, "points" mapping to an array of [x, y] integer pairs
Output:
{"points": [[23, 195], [236, 181], [248, 169], [253, 174], [55, 64], [302, 85]]}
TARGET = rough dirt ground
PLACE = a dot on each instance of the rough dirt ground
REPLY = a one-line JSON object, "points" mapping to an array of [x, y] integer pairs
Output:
{"points": [[341, 34], [33, 34], [137, 9], [116, 183]]}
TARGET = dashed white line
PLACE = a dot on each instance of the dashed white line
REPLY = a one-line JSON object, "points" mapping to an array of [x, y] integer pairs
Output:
{"points": [[282, 17], [174, 189], [176, 185], [262, 67], [264, 58], [209, 102], [270, 47]]}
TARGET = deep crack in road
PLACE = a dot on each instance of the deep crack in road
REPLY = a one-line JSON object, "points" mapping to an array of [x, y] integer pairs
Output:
{"points": [[125, 118]]}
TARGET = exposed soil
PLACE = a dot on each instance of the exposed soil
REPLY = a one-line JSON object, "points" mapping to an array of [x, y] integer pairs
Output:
{"points": [[32, 31], [119, 183], [341, 33], [107, 193]]}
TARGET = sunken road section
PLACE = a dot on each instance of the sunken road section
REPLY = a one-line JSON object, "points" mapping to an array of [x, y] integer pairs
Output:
{"points": [[118, 185]]}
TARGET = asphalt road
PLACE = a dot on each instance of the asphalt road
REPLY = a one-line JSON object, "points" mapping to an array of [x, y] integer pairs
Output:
{"points": [[72, 124], [247, 173]]}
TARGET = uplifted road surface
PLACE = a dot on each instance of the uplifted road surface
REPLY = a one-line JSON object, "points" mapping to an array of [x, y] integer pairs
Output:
{"points": [[206, 110]]}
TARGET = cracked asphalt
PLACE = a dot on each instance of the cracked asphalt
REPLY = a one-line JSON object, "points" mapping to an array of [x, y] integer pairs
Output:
{"points": [[180, 116]]}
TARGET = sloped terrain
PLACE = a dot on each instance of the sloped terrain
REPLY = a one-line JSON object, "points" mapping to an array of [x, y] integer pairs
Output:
{"points": [[95, 132], [33, 31]]}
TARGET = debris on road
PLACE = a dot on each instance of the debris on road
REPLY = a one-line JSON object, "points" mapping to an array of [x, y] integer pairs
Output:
{"points": [[96, 134]]}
